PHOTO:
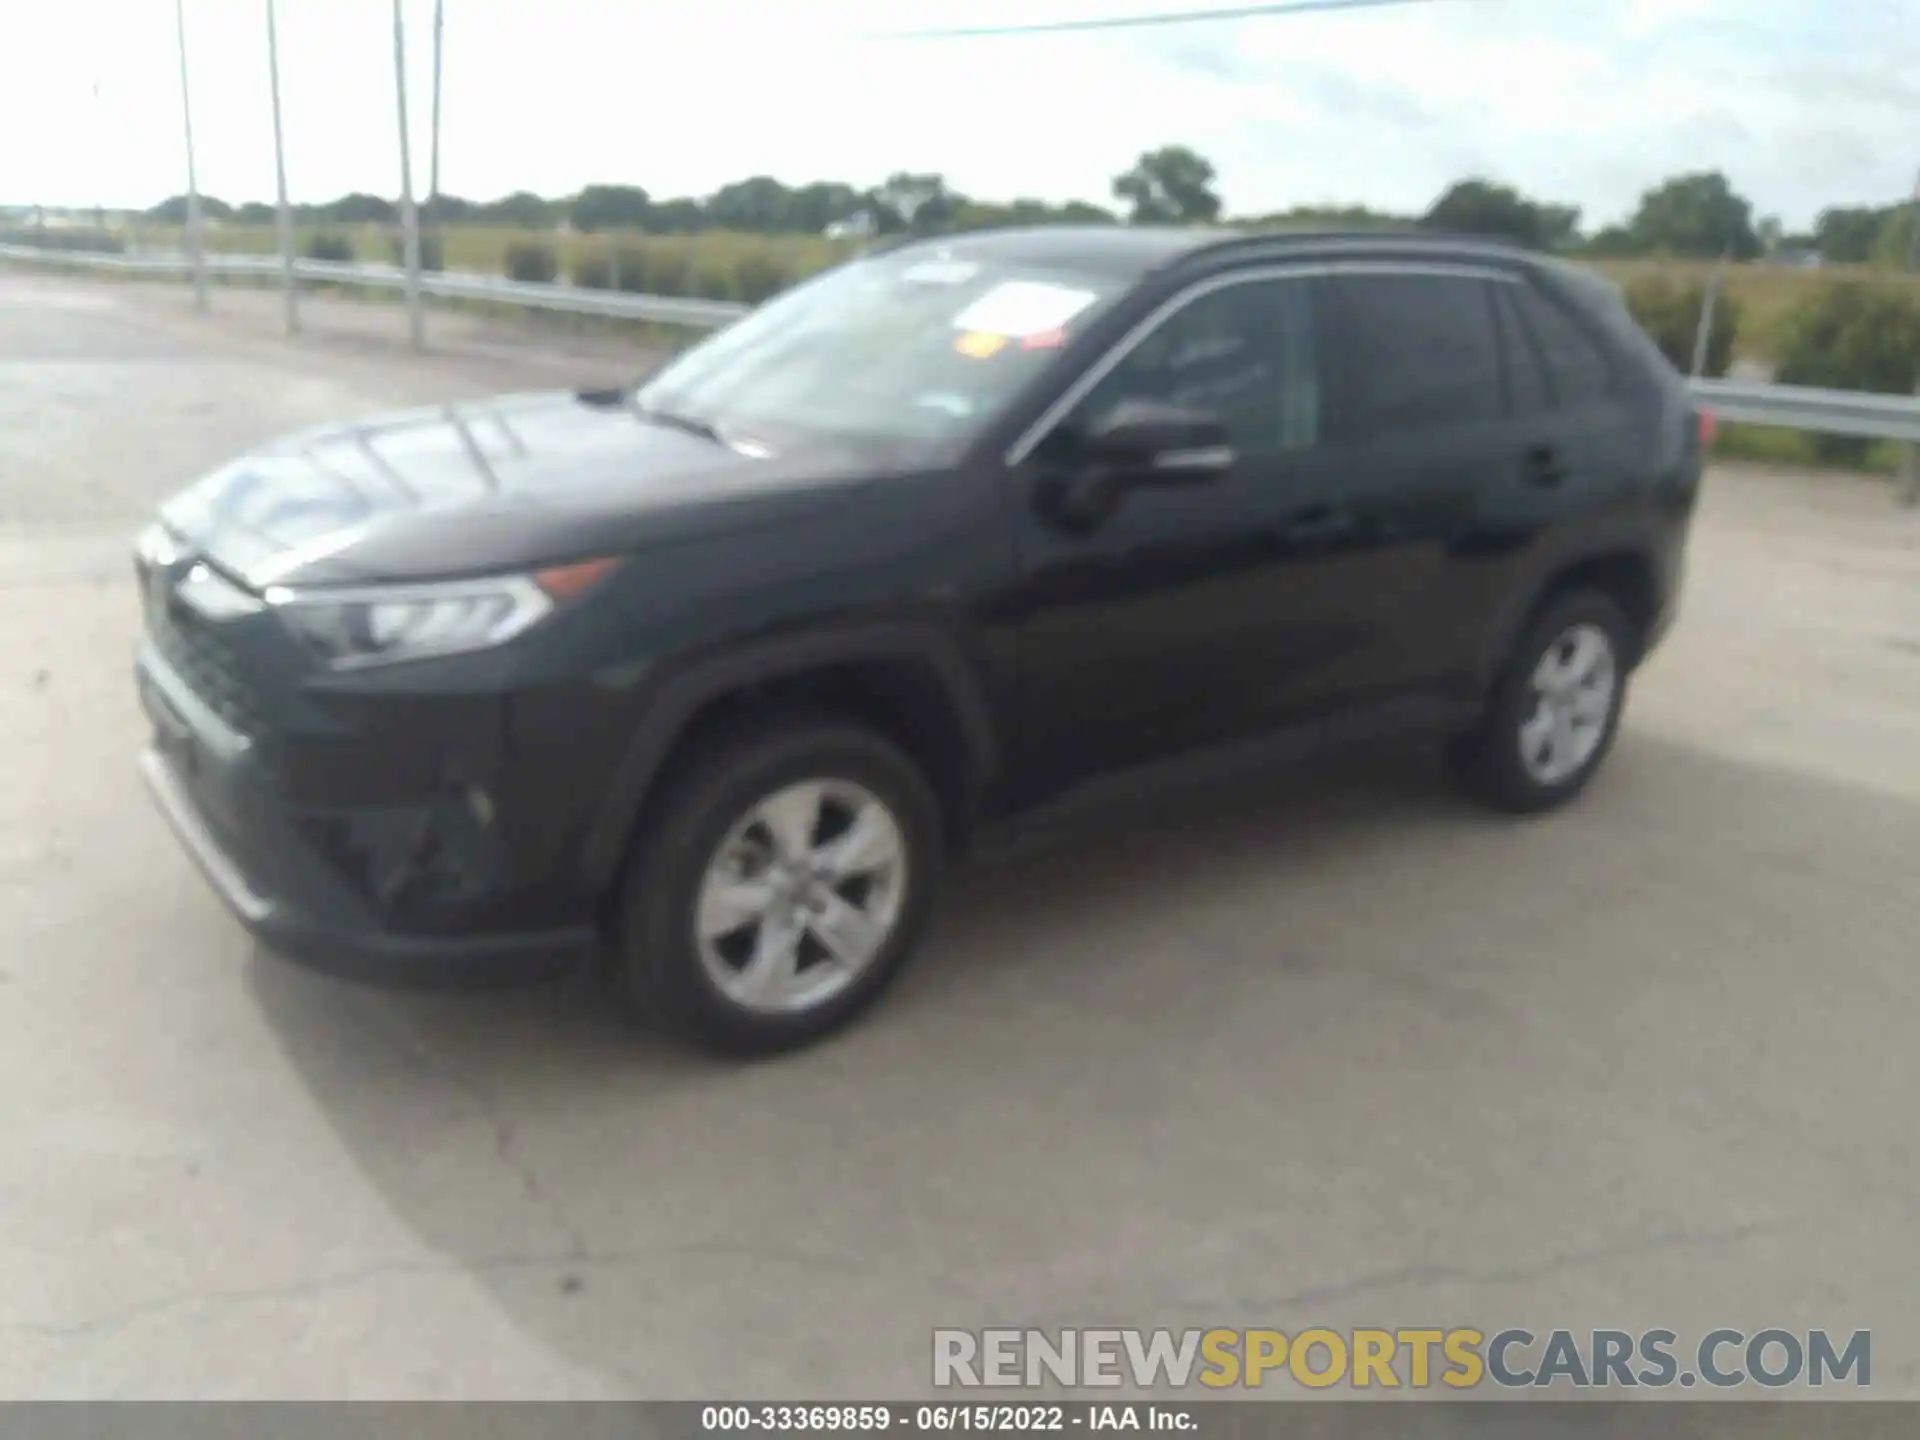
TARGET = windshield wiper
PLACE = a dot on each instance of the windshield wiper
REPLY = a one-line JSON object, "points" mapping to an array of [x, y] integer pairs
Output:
{"points": [[691, 424]]}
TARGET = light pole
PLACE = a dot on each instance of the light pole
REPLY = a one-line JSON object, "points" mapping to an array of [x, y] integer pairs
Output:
{"points": [[283, 213], [435, 221], [1910, 461], [409, 215], [1913, 235], [196, 241], [100, 150], [439, 32], [1703, 335]]}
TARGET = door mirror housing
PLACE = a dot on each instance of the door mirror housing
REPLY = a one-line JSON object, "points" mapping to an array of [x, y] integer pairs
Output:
{"points": [[1152, 442]]}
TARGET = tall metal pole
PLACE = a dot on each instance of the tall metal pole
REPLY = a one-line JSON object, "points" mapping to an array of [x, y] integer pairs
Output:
{"points": [[439, 47], [100, 149], [1910, 461], [409, 215], [196, 240], [1913, 235], [283, 212], [1703, 335], [435, 219]]}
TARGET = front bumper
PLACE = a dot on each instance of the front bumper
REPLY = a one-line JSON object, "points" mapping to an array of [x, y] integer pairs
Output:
{"points": [[202, 777]]}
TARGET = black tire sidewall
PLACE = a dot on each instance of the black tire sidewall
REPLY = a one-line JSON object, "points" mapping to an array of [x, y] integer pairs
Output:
{"points": [[1493, 765], [659, 958]]}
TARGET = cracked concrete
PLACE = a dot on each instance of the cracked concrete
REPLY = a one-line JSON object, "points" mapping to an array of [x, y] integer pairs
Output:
{"points": [[1311, 1049], [535, 1189]]}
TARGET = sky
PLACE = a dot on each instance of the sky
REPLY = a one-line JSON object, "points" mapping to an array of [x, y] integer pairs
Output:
{"points": [[1803, 103]]}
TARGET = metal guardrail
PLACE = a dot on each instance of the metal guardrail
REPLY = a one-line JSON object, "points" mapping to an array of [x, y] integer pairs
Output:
{"points": [[1748, 402], [1801, 407], [444, 285]]}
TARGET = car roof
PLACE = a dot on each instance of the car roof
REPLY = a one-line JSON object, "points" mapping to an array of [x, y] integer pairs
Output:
{"points": [[1134, 250]]}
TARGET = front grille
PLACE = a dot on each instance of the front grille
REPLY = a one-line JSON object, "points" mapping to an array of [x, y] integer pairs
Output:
{"points": [[207, 665]]}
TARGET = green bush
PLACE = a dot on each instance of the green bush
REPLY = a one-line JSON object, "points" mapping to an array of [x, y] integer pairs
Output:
{"points": [[335, 249], [627, 268], [433, 251], [759, 276], [670, 267], [632, 272], [1852, 336], [1770, 445], [1669, 312], [82, 242], [532, 262], [592, 270], [713, 265], [714, 276]]}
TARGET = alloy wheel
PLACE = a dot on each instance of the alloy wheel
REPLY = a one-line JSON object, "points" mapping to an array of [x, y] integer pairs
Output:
{"points": [[1571, 695], [801, 896]]}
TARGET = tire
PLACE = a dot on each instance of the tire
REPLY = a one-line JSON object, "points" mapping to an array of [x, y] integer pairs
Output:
{"points": [[678, 969], [1519, 762]]}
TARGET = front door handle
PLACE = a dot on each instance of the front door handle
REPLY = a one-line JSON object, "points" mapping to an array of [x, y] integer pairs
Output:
{"points": [[1544, 466]]}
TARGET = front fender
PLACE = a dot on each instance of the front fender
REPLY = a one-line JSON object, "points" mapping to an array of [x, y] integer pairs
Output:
{"points": [[685, 688]]}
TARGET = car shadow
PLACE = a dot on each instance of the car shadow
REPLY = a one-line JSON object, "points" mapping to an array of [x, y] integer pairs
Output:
{"points": [[1150, 841], [1099, 1022]]}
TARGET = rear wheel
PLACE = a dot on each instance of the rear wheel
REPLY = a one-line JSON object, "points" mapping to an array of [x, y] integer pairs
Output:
{"points": [[781, 886], [1553, 717]]}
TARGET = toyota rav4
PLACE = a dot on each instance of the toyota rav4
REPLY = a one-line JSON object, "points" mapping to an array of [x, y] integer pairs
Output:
{"points": [[709, 676]]}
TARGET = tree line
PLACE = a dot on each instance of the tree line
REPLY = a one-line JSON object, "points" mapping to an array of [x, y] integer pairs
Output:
{"points": [[1691, 216]]}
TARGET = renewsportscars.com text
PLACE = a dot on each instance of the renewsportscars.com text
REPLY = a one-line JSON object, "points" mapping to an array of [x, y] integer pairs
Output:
{"points": [[1416, 1359]]}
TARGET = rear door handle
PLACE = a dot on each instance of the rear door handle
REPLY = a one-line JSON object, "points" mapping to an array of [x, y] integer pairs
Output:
{"points": [[1316, 524], [1544, 466]]}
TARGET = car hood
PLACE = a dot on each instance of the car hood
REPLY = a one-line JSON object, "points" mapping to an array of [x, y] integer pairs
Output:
{"points": [[521, 480]]}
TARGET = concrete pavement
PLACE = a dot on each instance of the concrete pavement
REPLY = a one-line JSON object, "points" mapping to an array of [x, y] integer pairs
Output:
{"points": [[1329, 1048]]}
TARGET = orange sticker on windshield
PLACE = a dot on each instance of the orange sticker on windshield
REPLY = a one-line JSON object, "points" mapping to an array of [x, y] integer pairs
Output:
{"points": [[978, 345]]}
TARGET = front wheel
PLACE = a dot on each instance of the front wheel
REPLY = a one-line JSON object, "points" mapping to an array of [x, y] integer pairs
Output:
{"points": [[781, 886], [1553, 717]]}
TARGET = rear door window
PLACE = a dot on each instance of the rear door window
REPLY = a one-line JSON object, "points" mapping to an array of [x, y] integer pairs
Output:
{"points": [[1416, 353]]}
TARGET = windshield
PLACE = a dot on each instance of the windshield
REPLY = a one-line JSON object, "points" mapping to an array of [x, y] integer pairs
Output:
{"points": [[907, 347]]}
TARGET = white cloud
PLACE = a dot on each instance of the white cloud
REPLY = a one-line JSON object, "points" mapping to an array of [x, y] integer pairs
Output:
{"points": [[1802, 102]]}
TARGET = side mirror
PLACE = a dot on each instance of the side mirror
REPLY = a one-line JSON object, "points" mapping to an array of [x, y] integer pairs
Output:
{"points": [[1154, 443]]}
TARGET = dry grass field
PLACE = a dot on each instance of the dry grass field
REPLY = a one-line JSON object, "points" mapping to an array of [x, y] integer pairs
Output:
{"points": [[733, 266], [750, 267]]}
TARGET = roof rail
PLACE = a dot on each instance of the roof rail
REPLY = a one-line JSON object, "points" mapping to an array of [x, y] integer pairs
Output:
{"points": [[1413, 235]]}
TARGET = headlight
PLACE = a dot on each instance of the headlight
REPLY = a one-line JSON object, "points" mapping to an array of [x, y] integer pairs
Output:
{"points": [[155, 548], [381, 624]]}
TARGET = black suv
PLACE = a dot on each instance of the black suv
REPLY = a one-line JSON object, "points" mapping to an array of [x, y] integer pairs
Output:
{"points": [[708, 676]]}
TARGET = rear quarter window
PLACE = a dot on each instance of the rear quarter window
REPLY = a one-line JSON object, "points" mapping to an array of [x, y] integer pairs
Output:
{"points": [[1412, 352], [1603, 302], [1526, 372], [1577, 368]]}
